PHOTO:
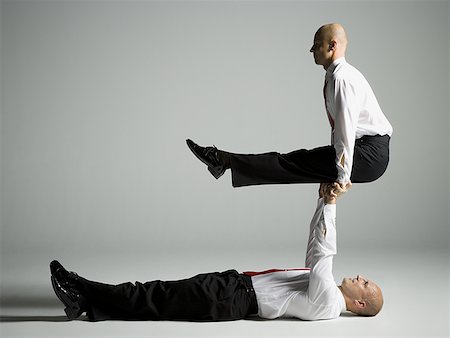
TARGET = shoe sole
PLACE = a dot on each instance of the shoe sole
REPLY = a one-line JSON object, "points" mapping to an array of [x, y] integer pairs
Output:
{"points": [[217, 174], [72, 309]]}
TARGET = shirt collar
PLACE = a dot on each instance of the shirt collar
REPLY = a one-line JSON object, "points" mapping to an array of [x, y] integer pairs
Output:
{"points": [[333, 66], [341, 301]]}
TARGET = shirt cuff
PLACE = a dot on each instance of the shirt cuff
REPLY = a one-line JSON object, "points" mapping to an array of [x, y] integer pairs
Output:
{"points": [[320, 201], [329, 211], [342, 177]]}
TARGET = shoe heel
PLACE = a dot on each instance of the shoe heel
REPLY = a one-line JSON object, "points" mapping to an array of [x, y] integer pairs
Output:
{"points": [[216, 173], [72, 313]]}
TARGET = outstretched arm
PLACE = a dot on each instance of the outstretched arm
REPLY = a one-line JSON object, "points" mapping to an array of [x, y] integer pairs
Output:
{"points": [[328, 194], [322, 244]]}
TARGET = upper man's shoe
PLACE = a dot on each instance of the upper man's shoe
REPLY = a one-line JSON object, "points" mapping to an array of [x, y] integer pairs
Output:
{"points": [[65, 286], [208, 155]]}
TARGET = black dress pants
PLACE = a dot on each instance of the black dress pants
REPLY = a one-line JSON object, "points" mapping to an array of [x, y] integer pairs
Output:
{"points": [[370, 160], [217, 296]]}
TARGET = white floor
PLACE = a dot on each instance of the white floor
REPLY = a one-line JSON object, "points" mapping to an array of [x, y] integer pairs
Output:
{"points": [[415, 285]]}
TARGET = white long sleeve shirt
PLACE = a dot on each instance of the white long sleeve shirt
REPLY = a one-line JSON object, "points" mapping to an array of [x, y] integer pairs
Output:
{"points": [[353, 112], [310, 293]]}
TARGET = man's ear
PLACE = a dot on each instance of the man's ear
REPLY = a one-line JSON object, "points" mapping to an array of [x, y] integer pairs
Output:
{"points": [[360, 304], [332, 45]]}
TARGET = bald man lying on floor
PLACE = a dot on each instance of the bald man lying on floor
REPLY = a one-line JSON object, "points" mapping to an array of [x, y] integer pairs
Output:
{"points": [[309, 293]]}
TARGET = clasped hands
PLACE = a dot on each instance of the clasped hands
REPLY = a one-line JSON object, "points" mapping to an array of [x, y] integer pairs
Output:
{"points": [[331, 191]]}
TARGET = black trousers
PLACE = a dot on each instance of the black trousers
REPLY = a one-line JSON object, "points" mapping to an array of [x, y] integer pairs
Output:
{"points": [[216, 296], [370, 160]]}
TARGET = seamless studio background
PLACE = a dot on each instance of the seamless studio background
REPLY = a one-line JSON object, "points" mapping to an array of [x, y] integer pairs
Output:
{"points": [[98, 97]]}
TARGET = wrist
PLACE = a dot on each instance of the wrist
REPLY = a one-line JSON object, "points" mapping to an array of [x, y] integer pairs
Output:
{"points": [[329, 200]]}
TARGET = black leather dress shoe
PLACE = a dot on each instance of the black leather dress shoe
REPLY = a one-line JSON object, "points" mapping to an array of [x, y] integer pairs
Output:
{"points": [[64, 285], [208, 155], [56, 269]]}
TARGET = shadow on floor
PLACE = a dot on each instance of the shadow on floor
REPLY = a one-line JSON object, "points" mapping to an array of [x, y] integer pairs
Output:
{"points": [[17, 319], [21, 301], [47, 301]]}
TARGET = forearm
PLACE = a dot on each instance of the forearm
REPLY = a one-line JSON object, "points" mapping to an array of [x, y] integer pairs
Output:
{"points": [[322, 252], [324, 219], [312, 236], [344, 143], [322, 239]]}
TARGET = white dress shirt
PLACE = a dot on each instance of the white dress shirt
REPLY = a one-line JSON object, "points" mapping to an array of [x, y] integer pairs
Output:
{"points": [[311, 293], [354, 112]]}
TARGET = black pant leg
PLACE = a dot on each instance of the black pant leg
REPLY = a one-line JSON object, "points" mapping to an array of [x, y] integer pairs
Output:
{"points": [[300, 166], [123, 301], [370, 160], [205, 297]]}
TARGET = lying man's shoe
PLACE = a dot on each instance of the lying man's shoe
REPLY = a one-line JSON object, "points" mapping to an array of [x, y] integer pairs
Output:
{"points": [[64, 285], [59, 272], [208, 155]]}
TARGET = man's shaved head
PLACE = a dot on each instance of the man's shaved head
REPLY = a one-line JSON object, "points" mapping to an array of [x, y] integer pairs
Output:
{"points": [[333, 32], [330, 43]]}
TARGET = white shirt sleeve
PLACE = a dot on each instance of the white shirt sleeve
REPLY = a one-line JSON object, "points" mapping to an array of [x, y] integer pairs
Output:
{"points": [[354, 111], [319, 256], [312, 293], [344, 133]]}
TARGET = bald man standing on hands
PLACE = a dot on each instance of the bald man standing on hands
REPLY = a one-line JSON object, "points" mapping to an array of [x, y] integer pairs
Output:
{"points": [[360, 132]]}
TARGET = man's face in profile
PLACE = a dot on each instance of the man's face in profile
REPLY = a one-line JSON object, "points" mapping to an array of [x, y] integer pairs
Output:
{"points": [[320, 50], [359, 288]]}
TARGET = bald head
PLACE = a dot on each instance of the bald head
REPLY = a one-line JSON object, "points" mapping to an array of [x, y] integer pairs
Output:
{"points": [[333, 32], [362, 296], [373, 305], [330, 43]]}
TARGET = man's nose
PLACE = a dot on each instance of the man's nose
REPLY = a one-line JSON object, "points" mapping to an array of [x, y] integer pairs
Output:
{"points": [[359, 277]]}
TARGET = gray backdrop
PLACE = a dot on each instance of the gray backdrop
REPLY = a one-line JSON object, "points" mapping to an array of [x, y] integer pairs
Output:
{"points": [[99, 97]]}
